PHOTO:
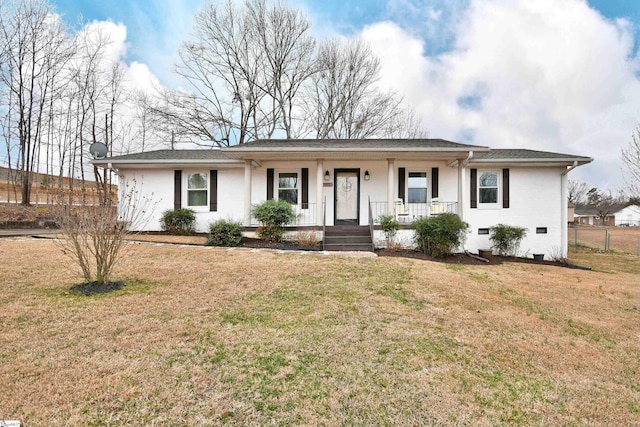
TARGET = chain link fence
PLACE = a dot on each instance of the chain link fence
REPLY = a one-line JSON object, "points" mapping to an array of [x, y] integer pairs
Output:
{"points": [[606, 239]]}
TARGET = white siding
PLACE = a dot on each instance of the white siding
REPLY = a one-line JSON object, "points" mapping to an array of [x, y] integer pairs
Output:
{"points": [[535, 197], [158, 184], [535, 201]]}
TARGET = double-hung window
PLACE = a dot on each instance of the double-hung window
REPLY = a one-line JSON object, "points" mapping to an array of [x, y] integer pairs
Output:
{"points": [[417, 187], [488, 187], [288, 187], [197, 189]]}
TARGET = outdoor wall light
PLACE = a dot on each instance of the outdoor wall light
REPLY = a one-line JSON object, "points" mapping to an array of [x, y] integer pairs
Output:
{"points": [[367, 177], [327, 177]]}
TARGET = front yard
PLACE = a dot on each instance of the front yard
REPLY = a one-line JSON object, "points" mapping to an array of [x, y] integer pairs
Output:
{"points": [[209, 336]]}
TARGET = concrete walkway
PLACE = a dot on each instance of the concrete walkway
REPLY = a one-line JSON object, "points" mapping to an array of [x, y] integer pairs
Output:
{"points": [[16, 232]]}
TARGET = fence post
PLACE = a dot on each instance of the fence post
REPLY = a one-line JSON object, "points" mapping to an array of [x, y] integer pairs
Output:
{"points": [[607, 241], [638, 247], [575, 236]]}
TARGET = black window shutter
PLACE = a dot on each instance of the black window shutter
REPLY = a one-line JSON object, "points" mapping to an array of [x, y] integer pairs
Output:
{"points": [[270, 179], [177, 189], [213, 191], [434, 182], [305, 188], [505, 188], [401, 180], [474, 188]]}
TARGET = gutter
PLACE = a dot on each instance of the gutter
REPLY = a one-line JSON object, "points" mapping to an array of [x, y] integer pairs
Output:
{"points": [[465, 162], [575, 165]]}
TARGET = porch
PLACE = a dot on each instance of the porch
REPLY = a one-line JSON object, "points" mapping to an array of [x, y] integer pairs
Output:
{"points": [[404, 213]]}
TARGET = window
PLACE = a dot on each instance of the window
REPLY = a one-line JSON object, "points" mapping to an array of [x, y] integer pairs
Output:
{"points": [[541, 230], [488, 187], [197, 192], [417, 186], [483, 231], [288, 187]]}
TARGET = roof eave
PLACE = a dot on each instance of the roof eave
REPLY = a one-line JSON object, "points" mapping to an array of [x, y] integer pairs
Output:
{"points": [[164, 162], [535, 162]]}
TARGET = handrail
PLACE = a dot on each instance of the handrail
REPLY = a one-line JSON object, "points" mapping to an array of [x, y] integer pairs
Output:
{"points": [[373, 246], [324, 220]]}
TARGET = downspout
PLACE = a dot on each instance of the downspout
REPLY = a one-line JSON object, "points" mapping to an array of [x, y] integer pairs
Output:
{"points": [[564, 206]]}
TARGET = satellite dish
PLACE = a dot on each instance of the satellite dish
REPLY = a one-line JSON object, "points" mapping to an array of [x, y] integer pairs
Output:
{"points": [[98, 150]]}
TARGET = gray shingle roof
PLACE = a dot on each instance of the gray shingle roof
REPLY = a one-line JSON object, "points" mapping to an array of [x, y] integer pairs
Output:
{"points": [[201, 154], [355, 144], [505, 154], [232, 154]]}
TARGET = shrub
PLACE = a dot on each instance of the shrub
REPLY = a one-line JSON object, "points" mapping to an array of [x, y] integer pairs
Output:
{"points": [[178, 221], [273, 215], [506, 238], [390, 227], [225, 233], [440, 235], [307, 239]]}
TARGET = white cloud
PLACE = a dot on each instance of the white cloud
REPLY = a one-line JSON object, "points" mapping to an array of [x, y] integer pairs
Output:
{"points": [[549, 75]]}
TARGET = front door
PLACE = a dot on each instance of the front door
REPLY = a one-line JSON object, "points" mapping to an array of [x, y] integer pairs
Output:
{"points": [[347, 196]]}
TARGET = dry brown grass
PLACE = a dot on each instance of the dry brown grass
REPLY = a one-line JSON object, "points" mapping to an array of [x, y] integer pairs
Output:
{"points": [[208, 336], [622, 239]]}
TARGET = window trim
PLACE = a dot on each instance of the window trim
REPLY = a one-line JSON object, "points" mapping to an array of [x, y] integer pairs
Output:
{"points": [[206, 188], [426, 177], [298, 188], [498, 187]]}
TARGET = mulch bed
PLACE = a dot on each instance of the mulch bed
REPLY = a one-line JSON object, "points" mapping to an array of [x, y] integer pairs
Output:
{"points": [[248, 242], [464, 259], [95, 288]]}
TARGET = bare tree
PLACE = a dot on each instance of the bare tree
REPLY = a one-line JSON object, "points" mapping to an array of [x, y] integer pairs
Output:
{"points": [[631, 160], [94, 236], [604, 203], [34, 48], [343, 100], [287, 53], [577, 192], [222, 64]]}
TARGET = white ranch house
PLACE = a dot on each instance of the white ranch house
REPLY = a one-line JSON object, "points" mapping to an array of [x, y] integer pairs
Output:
{"points": [[629, 216], [334, 182]]}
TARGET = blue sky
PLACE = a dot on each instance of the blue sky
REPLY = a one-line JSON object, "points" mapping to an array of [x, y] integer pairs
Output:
{"points": [[554, 75], [145, 18]]}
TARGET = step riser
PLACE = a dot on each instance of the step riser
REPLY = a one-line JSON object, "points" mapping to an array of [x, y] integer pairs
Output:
{"points": [[347, 239], [344, 248]]}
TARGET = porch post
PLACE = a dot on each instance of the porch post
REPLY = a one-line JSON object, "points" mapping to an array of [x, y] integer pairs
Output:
{"points": [[390, 185], [461, 187], [319, 191], [247, 192]]}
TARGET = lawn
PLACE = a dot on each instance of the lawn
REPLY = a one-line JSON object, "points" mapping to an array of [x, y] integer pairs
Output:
{"points": [[208, 336]]}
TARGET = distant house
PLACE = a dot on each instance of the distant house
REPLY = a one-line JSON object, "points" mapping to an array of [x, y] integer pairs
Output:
{"points": [[591, 216], [353, 182], [628, 216]]}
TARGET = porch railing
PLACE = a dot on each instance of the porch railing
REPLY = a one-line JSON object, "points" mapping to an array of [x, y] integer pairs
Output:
{"points": [[409, 212], [305, 215]]}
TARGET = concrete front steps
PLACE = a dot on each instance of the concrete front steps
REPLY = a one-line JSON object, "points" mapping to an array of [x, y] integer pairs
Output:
{"points": [[348, 238]]}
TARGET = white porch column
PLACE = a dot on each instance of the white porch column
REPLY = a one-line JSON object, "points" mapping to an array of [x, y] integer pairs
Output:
{"points": [[319, 191], [390, 185], [461, 187], [247, 192]]}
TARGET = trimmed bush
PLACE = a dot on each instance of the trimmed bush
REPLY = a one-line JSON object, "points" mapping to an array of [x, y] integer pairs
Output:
{"points": [[178, 221], [506, 238], [440, 235], [390, 227], [273, 215], [225, 233]]}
